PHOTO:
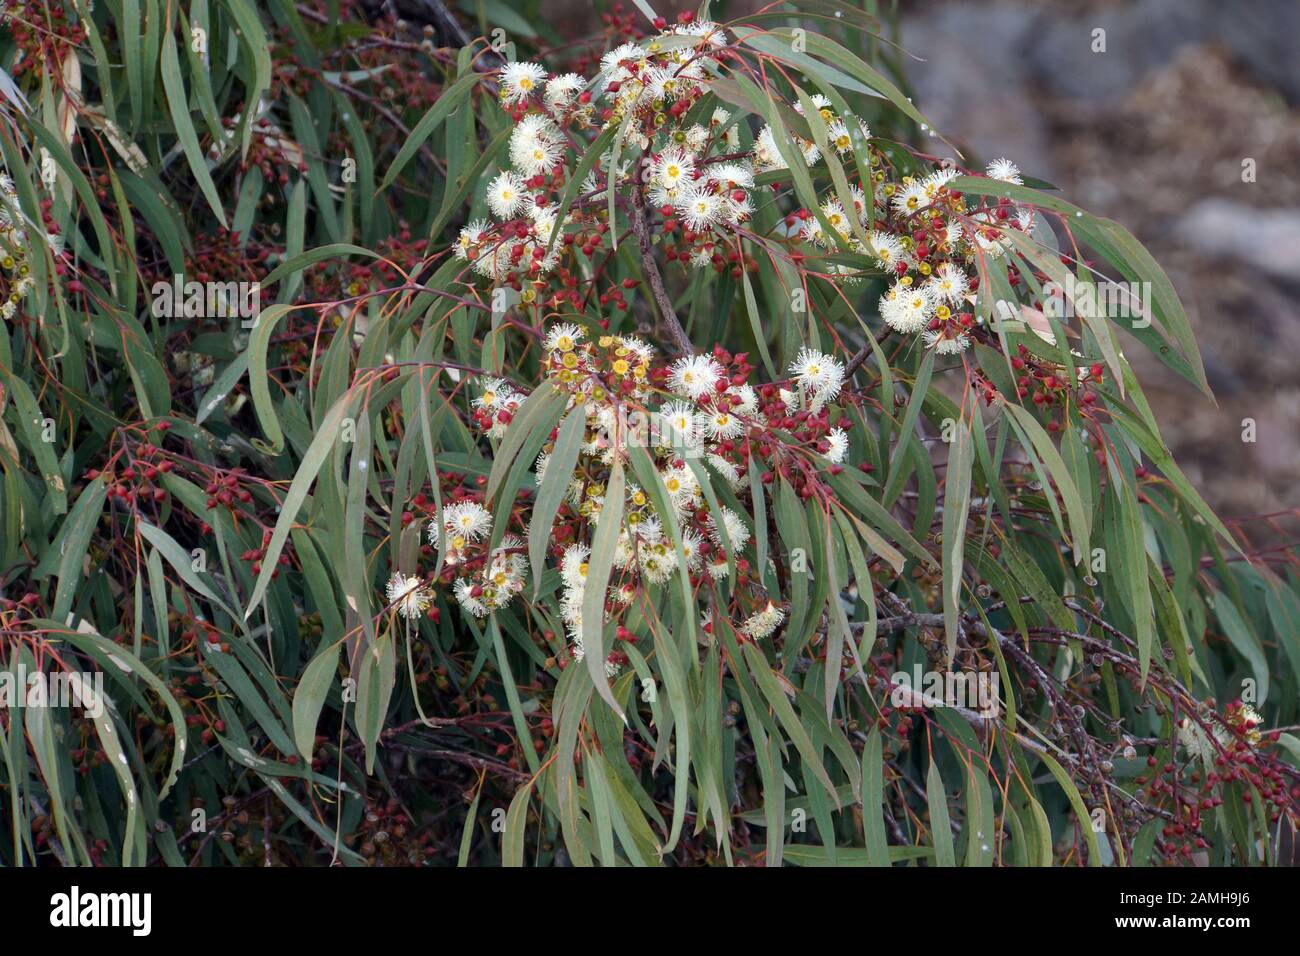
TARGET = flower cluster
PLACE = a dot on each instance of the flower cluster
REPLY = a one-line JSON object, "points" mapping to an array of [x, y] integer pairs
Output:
{"points": [[916, 229], [644, 90], [17, 280], [700, 421]]}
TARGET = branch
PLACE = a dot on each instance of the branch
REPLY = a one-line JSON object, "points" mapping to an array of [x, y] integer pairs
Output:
{"points": [[652, 274]]}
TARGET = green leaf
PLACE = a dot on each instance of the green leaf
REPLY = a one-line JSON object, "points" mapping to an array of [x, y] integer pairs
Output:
{"points": [[873, 801], [178, 104], [309, 698], [554, 486], [940, 827]]}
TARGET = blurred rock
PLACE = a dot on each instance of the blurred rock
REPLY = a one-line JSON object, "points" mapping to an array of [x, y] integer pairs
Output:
{"points": [[973, 84], [1156, 133], [1263, 239]]}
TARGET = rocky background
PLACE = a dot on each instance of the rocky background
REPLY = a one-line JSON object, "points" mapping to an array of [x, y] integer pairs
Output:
{"points": [[1153, 132]]}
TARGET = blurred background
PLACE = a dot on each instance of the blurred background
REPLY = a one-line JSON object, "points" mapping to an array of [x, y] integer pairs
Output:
{"points": [[1156, 131]]}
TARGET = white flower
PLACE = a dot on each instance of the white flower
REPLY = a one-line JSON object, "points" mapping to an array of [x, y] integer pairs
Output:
{"points": [[911, 198], [887, 248], [1197, 741], [573, 566], [520, 81], [649, 530], [619, 63], [735, 211], [467, 520], [712, 34], [1004, 170], [732, 175], [993, 245], [578, 653], [818, 375], [766, 154], [745, 399], [694, 375], [673, 168], [859, 201], [821, 102], [691, 548], [681, 485], [906, 308], [839, 445], [952, 233], [835, 215], [839, 137], [497, 584], [658, 562], [505, 573], [534, 147], [735, 527], [563, 337], [497, 393], [408, 595], [676, 425], [949, 284], [936, 181], [464, 591], [469, 238], [721, 425], [811, 151], [763, 623], [696, 136], [945, 345], [560, 90], [506, 196], [702, 256], [493, 261], [727, 470], [643, 351], [700, 207]]}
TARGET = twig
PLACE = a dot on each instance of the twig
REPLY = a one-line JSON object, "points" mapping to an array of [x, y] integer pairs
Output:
{"points": [[652, 273]]}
